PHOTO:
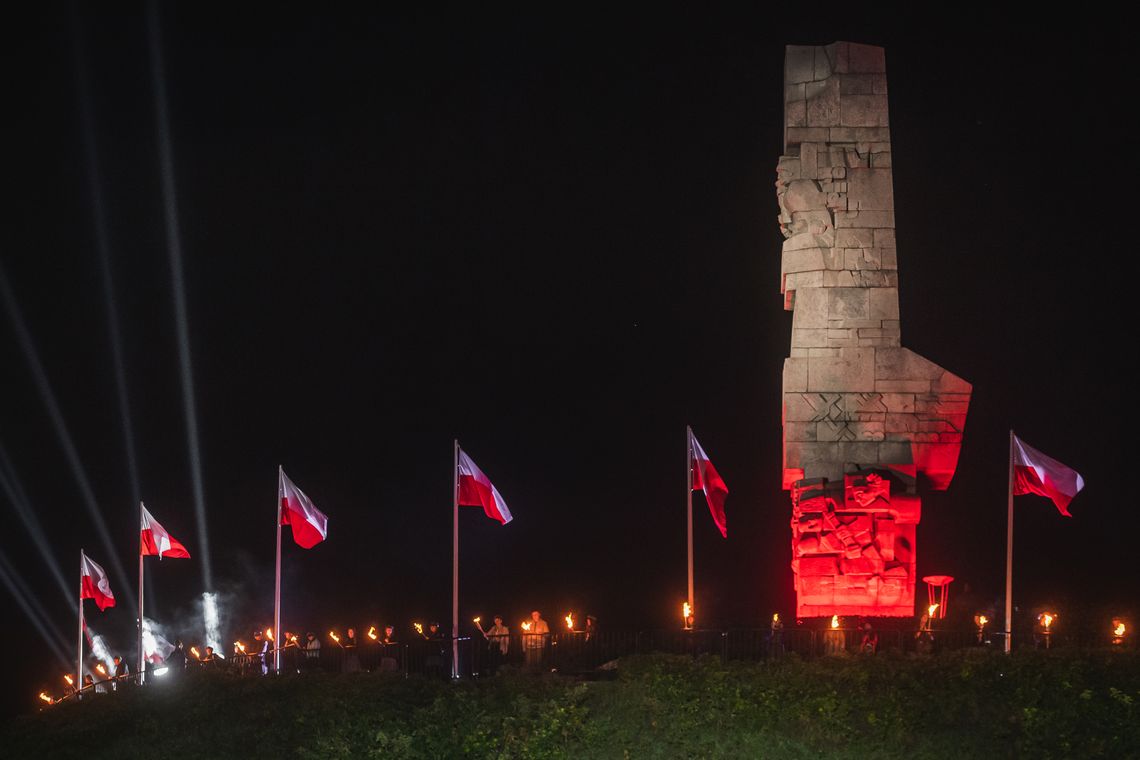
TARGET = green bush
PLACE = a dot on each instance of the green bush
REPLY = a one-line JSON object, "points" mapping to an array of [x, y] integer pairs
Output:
{"points": [[969, 703]]}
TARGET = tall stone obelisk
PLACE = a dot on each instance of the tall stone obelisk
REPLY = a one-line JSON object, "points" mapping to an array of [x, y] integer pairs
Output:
{"points": [[863, 417]]}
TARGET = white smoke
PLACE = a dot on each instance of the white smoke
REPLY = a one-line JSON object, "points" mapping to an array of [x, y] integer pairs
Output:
{"points": [[100, 649], [212, 620]]}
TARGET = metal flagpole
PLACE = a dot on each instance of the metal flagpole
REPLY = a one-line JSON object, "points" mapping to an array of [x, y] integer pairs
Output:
{"points": [[141, 669], [1009, 553], [79, 647], [689, 511], [455, 561], [277, 584]]}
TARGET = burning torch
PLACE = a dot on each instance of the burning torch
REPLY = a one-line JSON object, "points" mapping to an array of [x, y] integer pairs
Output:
{"points": [[1118, 630], [419, 629], [687, 615], [569, 621], [334, 637], [46, 698], [372, 633], [194, 651]]}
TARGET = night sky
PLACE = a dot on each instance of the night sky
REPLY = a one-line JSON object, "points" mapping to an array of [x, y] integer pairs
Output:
{"points": [[555, 240]]}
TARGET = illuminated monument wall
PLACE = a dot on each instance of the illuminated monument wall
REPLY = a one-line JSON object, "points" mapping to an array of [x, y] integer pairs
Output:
{"points": [[863, 416]]}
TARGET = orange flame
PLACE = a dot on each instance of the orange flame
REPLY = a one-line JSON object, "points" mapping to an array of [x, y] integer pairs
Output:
{"points": [[1119, 629], [334, 637], [1047, 619], [526, 625], [419, 628], [686, 611], [240, 646], [102, 670], [834, 621], [477, 619], [569, 620], [194, 651], [372, 632], [269, 633], [982, 620], [46, 698], [930, 610], [293, 638], [775, 617], [69, 679]]}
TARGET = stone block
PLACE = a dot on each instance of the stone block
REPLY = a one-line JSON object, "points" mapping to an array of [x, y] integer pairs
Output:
{"points": [[795, 375], [841, 278], [825, 352], [864, 219], [865, 59], [812, 337], [847, 303], [823, 103], [852, 370], [902, 386], [798, 135], [837, 324], [870, 278], [870, 189], [800, 431], [895, 452], [847, 134], [811, 309], [837, 54], [799, 63], [822, 64], [861, 453], [881, 160], [904, 364], [951, 383], [888, 258], [795, 113], [808, 164], [884, 238], [857, 238], [863, 111], [864, 403], [801, 260], [879, 84], [794, 281], [898, 403], [883, 303], [856, 84], [794, 92]]}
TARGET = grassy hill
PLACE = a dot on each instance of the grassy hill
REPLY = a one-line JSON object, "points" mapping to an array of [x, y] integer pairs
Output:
{"points": [[959, 704]]}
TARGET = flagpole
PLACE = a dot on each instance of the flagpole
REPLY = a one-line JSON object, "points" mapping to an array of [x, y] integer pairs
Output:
{"points": [[689, 511], [79, 646], [1009, 552], [277, 583], [141, 672], [455, 561]]}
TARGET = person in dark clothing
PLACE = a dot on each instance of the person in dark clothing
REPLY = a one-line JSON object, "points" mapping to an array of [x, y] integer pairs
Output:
{"points": [[389, 649], [351, 659], [261, 646], [435, 661], [870, 641], [121, 672]]}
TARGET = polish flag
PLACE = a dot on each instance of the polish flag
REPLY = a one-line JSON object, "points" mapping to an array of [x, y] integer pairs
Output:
{"points": [[706, 478], [476, 490], [1033, 472], [94, 583], [310, 526], [155, 540]]}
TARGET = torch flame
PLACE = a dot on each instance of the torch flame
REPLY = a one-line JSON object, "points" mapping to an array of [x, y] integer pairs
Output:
{"points": [[1047, 619], [834, 621], [334, 637], [477, 619], [102, 670], [419, 628], [240, 646], [269, 633], [194, 651], [930, 610], [686, 611], [70, 681], [526, 625], [1119, 628], [775, 617], [372, 632], [569, 621], [46, 698], [982, 620]]}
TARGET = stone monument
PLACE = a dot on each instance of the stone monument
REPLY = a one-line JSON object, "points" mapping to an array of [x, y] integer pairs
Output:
{"points": [[863, 417]]}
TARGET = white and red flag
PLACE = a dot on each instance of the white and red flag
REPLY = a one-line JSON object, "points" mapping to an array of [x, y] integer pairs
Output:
{"points": [[94, 583], [309, 524], [1034, 472], [154, 540], [707, 479], [476, 490]]}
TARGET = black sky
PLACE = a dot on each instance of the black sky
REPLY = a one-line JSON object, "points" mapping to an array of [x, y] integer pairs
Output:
{"points": [[554, 239]]}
